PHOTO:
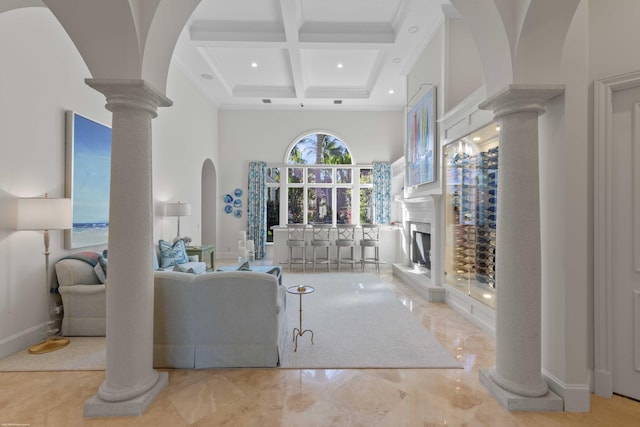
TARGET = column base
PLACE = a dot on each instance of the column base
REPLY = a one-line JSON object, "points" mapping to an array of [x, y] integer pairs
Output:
{"points": [[514, 402], [96, 407]]}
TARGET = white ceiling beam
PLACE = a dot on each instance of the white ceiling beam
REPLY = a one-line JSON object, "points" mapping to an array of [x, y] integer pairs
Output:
{"points": [[236, 31], [344, 32], [291, 19], [264, 92], [337, 93]]}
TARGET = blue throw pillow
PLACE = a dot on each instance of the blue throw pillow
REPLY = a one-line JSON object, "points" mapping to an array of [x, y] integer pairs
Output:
{"points": [[172, 253]]}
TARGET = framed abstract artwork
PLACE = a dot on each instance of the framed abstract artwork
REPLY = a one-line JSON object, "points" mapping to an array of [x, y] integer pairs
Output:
{"points": [[420, 149], [88, 176]]}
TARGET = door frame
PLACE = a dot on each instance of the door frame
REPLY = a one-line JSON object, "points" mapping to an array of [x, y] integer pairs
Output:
{"points": [[603, 91]]}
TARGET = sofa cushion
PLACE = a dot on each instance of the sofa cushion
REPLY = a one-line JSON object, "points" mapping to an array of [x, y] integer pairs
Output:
{"points": [[172, 254], [191, 267], [71, 272], [102, 276]]}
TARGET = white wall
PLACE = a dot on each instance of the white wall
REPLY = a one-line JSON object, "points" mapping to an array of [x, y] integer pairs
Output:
{"points": [[464, 73], [566, 221], [266, 136], [184, 136], [42, 75]]}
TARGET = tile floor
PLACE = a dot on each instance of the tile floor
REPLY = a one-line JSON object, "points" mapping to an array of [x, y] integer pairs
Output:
{"points": [[305, 398]]}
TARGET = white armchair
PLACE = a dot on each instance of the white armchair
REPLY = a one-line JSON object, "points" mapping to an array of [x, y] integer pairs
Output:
{"points": [[83, 299]]}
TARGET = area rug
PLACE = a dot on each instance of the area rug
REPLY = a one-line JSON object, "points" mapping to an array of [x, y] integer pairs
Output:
{"points": [[357, 322], [82, 354]]}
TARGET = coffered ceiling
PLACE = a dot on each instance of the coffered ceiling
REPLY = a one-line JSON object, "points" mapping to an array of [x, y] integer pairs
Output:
{"points": [[314, 54]]}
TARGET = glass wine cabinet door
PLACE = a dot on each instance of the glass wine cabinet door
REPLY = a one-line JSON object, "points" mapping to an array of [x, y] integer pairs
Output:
{"points": [[471, 181]]}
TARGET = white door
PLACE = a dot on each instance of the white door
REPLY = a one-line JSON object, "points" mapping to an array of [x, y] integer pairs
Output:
{"points": [[625, 214]]}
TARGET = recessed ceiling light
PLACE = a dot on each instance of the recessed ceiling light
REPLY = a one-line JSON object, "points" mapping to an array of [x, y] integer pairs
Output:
{"points": [[476, 138], [497, 127], [254, 64], [206, 76], [413, 29], [396, 60], [340, 65], [391, 92]]}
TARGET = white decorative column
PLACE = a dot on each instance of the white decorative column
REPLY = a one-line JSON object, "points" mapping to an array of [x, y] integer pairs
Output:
{"points": [[516, 379], [130, 383]]}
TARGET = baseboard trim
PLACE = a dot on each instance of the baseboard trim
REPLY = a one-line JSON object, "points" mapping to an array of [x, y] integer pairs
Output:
{"points": [[21, 340], [577, 397], [480, 314]]}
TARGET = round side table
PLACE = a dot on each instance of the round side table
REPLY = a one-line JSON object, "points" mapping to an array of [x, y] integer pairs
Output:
{"points": [[298, 332]]}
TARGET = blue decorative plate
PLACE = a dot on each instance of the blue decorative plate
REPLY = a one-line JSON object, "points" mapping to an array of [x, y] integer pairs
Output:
{"points": [[228, 198], [228, 209], [237, 203], [237, 192], [237, 213]]}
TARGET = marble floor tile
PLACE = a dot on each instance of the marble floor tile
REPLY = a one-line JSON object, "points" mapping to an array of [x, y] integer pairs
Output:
{"points": [[311, 397]]}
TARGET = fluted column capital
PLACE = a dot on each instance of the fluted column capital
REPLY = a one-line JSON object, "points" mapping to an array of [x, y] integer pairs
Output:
{"points": [[518, 98]]}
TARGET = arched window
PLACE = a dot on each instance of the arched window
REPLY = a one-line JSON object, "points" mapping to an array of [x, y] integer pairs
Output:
{"points": [[319, 149], [318, 183]]}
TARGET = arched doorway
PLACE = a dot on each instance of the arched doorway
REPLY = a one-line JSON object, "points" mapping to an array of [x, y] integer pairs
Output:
{"points": [[209, 189]]}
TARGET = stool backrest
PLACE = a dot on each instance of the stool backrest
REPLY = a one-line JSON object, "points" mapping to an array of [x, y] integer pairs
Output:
{"points": [[321, 231], [296, 231], [371, 232], [346, 232]]}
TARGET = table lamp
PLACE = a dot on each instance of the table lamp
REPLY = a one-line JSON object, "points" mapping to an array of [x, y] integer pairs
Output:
{"points": [[45, 214], [178, 209]]}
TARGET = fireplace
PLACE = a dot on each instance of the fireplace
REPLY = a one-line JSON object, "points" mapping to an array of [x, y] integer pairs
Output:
{"points": [[421, 245]]}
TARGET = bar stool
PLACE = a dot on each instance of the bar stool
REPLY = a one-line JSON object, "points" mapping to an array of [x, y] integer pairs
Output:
{"points": [[370, 239], [346, 239], [295, 239], [321, 240]]}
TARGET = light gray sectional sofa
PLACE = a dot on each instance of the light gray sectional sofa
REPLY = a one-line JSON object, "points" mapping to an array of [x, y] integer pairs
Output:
{"points": [[218, 319], [208, 320]]}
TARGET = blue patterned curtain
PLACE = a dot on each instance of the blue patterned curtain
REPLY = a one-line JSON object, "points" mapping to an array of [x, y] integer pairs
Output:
{"points": [[257, 207], [381, 193]]}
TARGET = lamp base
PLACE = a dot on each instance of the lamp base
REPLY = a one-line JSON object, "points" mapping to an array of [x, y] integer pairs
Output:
{"points": [[51, 344]]}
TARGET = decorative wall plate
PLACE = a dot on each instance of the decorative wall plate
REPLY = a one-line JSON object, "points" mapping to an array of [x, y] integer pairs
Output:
{"points": [[228, 198], [237, 192], [228, 209]]}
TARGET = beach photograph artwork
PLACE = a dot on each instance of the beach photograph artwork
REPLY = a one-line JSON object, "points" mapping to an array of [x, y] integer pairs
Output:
{"points": [[89, 165]]}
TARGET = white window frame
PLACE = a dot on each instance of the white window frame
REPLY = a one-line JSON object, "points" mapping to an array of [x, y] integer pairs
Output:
{"points": [[355, 186]]}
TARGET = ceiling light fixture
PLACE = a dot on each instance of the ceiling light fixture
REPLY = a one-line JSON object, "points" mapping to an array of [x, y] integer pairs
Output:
{"points": [[337, 101], [413, 29], [266, 101], [206, 76], [340, 65], [476, 138], [391, 91], [254, 64]]}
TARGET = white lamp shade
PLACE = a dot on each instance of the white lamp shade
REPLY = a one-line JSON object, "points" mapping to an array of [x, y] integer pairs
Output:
{"points": [[178, 209], [44, 214]]}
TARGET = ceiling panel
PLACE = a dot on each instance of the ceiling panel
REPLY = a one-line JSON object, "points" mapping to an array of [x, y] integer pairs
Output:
{"points": [[235, 66], [320, 67]]}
